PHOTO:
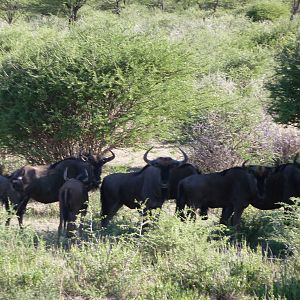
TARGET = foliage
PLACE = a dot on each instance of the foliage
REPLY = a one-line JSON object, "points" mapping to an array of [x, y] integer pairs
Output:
{"points": [[267, 10], [221, 140], [106, 89], [285, 85], [11, 9]]}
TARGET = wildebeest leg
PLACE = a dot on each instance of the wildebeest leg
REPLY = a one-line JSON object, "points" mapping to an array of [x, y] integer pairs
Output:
{"points": [[71, 226], [21, 208], [237, 216], [83, 212], [190, 213], [180, 212], [226, 214], [203, 213], [107, 213], [180, 203], [61, 220], [7, 208], [4, 200]]}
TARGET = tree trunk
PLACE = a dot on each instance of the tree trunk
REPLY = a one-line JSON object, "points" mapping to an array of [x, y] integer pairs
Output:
{"points": [[216, 4], [295, 9]]}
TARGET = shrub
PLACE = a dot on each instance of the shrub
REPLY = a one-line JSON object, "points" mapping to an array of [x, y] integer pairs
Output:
{"points": [[284, 86], [95, 85], [267, 10]]}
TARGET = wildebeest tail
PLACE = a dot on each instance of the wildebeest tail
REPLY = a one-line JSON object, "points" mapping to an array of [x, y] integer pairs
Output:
{"points": [[65, 206], [180, 201]]}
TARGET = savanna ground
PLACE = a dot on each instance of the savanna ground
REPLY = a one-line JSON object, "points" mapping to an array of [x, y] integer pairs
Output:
{"points": [[185, 74]]}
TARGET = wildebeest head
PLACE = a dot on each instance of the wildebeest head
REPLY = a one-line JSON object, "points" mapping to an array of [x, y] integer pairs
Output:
{"points": [[261, 173], [83, 176], [165, 164], [97, 162]]}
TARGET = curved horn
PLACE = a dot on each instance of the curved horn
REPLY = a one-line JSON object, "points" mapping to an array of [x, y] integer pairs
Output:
{"points": [[107, 159], [66, 174], [244, 163], [185, 157], [145, 157]]}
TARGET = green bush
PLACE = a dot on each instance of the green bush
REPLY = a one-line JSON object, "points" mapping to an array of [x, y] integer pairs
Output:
{"points": [[284, 86], [96, 85], [267, 10]]}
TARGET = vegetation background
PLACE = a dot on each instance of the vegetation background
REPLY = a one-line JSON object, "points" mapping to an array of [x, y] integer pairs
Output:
{"points": [[212, 76]]}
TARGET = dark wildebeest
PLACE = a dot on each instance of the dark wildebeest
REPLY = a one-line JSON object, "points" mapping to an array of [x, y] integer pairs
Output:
{"points": [[42, 183], [73, 198], [277, 184], [8, 194], [177, 174], [149, 186], [232, 189]]}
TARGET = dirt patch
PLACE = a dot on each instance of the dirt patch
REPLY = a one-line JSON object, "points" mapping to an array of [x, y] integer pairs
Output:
{"points": [[134, 158]]}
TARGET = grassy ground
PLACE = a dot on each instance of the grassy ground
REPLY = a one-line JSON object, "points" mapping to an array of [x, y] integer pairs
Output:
{"points": [[172, 260]]}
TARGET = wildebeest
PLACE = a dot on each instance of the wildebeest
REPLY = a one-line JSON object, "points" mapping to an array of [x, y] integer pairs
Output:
{"points": [[277, 184], [8, 194], [73, 198], [42, 183], [148, 186], [177, 174], [232, 189]]}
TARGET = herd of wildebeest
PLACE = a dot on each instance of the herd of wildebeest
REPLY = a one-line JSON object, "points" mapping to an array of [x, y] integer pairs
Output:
{"points": [[70, 180]]}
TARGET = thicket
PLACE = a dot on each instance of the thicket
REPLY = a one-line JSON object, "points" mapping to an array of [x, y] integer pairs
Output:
{"points": [[268, 10], [96, 85], [111, 81]]}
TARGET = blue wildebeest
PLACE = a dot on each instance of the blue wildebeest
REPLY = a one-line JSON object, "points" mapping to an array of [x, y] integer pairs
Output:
{"points": [[42, 183], [73, 198], [148, 186], [277, 184], [8, 194], [232, 189]]}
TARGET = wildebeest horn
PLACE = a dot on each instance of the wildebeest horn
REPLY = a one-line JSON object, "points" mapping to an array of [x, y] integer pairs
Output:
{"points": [[244, 163], [66, 174], [145, 157], [185, 157], [107, 159]]}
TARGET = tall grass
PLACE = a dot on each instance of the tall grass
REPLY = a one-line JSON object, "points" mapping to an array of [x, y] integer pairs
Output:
{"points": [[172, 260]]}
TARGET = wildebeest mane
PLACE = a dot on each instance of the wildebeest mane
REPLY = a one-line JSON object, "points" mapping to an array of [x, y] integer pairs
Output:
{"points": [[141, 170], [224, 172], [52, 166], [188, 164]]}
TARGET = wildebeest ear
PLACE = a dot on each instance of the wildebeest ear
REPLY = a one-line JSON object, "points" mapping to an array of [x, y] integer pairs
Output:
{"points": [[66, 178], [83, 157], [277, 161]]}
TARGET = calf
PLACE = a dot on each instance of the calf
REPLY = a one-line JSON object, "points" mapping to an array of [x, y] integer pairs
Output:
{"points": [[73, 198]]}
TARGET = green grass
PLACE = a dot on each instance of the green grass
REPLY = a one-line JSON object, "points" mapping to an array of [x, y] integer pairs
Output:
{"points": [[172, 260]]}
